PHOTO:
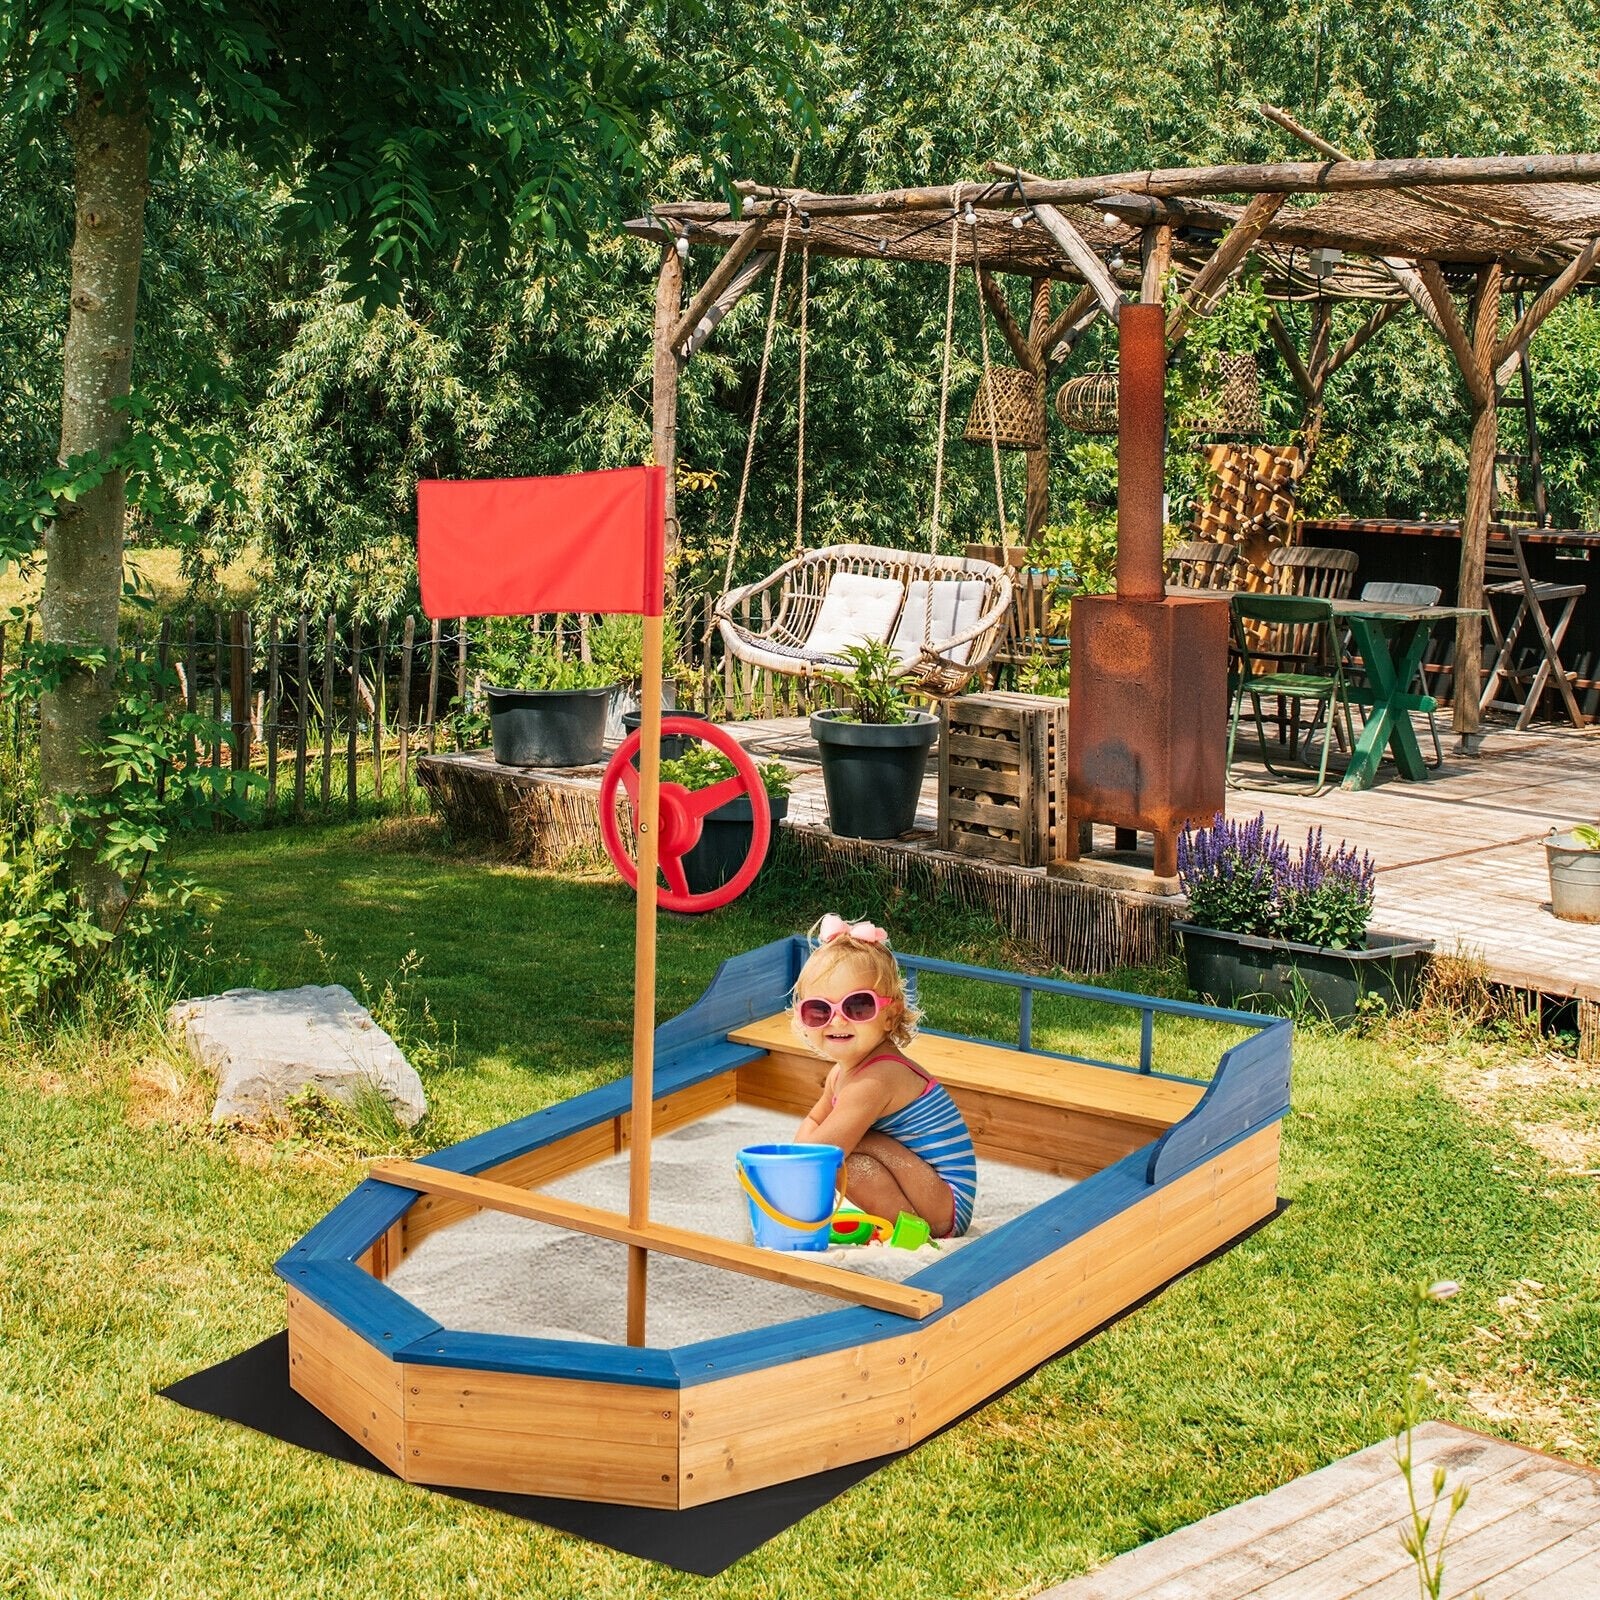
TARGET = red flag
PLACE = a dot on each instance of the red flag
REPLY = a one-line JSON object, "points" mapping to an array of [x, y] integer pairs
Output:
{"points": [[511, 547]]}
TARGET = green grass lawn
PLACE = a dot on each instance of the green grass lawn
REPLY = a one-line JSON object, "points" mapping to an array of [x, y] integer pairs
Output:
{"points": [[136, 1245]]}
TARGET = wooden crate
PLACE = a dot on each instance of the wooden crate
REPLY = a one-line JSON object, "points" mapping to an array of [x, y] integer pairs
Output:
{"points": [[1002, 776]]}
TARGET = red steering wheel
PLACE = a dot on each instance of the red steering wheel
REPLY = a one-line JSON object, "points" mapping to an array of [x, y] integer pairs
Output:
{"points": [[683, 811]]}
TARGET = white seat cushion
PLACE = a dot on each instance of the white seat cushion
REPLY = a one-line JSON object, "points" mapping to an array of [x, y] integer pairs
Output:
{"points": [[856, 609], [957, 608]]}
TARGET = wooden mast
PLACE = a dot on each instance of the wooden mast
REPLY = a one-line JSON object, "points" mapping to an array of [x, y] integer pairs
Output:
{"points": [[664, 419]]}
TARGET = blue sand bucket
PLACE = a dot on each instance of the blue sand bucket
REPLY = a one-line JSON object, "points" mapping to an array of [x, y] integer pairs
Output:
{"points": [[797, 1180]]}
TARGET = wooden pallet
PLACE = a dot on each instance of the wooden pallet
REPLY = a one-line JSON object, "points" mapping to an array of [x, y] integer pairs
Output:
{"points": [[1002, 769]]}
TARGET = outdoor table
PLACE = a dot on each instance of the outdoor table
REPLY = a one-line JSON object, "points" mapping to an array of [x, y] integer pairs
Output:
{"points": [[1388, 638]]}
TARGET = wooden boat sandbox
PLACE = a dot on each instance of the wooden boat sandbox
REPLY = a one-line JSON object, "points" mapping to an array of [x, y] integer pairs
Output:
{"points": [[1168, 1169]]}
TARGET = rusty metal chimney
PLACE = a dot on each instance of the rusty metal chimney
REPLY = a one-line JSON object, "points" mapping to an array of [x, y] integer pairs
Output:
{"points": [[1147, 726], [1141, 448]]}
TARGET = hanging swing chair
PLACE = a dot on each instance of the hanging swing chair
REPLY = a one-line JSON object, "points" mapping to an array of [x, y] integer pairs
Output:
{"points": [[944, 617]]}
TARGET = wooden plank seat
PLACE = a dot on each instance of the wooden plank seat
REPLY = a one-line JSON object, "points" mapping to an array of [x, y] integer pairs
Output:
{"points": [[1045, 1080]]}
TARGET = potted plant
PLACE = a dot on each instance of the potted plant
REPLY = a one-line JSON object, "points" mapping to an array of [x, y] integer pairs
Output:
{"points": [[1573, 857], [546, 709], [673, 745], [874, 752], [1269, 927], [726, 832], [616, 647]]}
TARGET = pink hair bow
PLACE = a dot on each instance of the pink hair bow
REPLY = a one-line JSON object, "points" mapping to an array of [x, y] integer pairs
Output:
{"points": [[834, 927]]}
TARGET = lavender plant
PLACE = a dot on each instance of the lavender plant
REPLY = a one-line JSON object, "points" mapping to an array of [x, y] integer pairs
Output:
{"points": [[1230, 872], [1325, 897], [1240, 877]]}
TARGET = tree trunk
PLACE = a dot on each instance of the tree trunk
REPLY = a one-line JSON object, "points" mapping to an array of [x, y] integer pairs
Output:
{"points": [[664, 391], [83, 545]]}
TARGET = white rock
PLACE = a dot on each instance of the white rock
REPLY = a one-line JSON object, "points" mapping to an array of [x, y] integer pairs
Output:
{"points": [[266, 1045]]}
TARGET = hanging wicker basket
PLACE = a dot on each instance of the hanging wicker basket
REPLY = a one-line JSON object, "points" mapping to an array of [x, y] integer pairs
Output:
{"points": [[1233, 405], [1089, 404], [1017, 399]]}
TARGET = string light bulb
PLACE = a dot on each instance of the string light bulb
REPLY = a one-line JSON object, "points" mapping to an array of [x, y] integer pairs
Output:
{"points": [[968, 215], [681, 245]]}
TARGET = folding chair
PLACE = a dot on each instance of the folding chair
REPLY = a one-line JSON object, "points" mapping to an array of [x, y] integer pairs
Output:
{"points": [[1506, 576], [1409, 594], [1313, 572], [1309, 623]]}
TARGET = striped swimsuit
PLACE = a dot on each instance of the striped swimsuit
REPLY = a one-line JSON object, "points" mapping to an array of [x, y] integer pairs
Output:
{"points": [[932, 1127]]}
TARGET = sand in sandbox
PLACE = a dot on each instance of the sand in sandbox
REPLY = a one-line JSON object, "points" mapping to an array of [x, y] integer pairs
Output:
{"points": [[492, 1273]]}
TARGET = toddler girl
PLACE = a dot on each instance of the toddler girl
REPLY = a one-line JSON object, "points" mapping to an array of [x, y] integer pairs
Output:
{"points": [[906, 1146]]}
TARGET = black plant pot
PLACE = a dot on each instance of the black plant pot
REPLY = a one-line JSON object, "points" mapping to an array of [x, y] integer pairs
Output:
{"points": [[1255, 974], [872, 772], [673, 745], [725, 842], [548, 727]]}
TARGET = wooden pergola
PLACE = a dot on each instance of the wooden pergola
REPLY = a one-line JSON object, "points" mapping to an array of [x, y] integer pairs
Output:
{"points": [[1390, 235]]}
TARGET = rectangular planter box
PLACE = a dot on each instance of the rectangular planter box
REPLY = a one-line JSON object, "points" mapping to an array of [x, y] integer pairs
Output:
{"points": [[1242, 970]]}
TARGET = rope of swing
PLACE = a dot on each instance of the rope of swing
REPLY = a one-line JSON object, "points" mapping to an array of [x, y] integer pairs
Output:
{"points": [[800, 442], [761, 389], [944, 377]]}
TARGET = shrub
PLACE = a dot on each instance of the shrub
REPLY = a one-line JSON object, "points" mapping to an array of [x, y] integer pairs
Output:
{"points": [[701, 766], [876, 683], [53, 949]]}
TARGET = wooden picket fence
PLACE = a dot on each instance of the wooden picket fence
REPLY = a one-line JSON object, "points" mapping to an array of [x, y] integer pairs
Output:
{"points": [[308, 704], [323, 708]]}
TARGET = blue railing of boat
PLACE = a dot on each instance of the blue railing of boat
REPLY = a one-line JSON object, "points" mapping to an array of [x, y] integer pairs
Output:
{"points": [[1149, 1008]]}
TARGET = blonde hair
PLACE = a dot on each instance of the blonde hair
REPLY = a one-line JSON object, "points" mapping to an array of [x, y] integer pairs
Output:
{"points": [[874, 958]]}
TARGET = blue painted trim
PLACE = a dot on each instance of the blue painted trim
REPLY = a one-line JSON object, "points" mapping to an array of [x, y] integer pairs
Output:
{"points": [[1083, 991], [358, 1221], [745, 989], [1060, 1055], [588, 1110], [1250, 1090], [544, 1358], [371, 1309]]}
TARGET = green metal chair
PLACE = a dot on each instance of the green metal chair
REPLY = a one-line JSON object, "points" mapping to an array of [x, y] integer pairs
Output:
{"points": [[1301, 629]]}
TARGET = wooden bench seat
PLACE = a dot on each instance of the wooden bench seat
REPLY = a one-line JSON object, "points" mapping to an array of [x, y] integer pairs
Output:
{"points": [[1035, 1110]]}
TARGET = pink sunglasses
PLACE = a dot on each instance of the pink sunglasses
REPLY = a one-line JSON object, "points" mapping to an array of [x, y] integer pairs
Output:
{"points": [[862, 1005]]}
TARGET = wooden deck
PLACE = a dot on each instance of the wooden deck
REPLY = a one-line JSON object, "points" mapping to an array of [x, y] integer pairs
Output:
{"points": [[1530, 1528], [1460, 857]]}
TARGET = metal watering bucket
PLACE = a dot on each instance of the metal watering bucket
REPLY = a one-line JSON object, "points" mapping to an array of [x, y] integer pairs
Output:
{"points": [[1574, 878], [798, 1182]]}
